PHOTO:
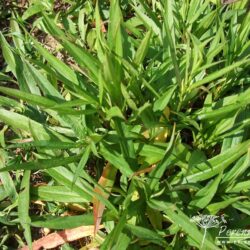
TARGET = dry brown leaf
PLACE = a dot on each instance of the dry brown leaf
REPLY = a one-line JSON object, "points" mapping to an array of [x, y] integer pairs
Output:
{"points": [[58, 238], [106, 181], [145, 170]]}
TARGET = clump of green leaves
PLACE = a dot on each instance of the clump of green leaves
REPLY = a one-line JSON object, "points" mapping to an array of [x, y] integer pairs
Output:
{"points": [[158, 89]]}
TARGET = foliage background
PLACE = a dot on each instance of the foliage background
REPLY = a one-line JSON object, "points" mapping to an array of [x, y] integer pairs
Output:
{"points": [[133, 112]]}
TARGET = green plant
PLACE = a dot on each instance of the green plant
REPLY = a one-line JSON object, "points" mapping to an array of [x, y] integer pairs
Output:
{"points": [[155, 91]]}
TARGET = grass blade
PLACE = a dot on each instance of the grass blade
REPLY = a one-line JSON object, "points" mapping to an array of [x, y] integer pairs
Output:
{"points": [[23, 207]]}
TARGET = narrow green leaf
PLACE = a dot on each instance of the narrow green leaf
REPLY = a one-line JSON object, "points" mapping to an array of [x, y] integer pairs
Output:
{"points": [[163, 101], [160, 168], [146, 234], [243, 186], [114, 112], [148, 22], [46, 144], [242, 206], [16, 33], [143, 48], [217, 164], [55, 194], [221, 112], [7, 182], [82, 57], [21, 122], [82, 163], [117, 160], [65, 222], [7, 54], [57, 64], [42, 164], [114, 30], [239, 169], [33, 9], [214, 208], [111, 239], [23, 207], [205, 195], [3, 193], [33, 99], [169, 36], [213, 76]]}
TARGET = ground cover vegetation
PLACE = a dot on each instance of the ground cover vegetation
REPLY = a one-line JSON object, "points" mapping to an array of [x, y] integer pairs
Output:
{"points": [[121, 121]]}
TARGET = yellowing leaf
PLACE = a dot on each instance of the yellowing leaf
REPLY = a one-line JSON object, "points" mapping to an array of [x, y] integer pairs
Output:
{"points": [[106, 181]]}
